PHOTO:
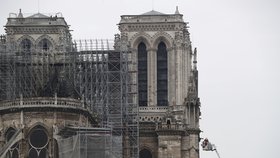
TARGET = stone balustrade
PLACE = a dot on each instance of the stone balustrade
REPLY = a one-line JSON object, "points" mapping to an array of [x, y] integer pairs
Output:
{"points": [[156, 18], [180, 127], [42, 102], [152, 114], [153, 109], [177, 107]]}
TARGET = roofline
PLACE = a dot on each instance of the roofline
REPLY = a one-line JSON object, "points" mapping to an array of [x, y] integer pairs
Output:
{"points": [[157, 22], [153, 15], [32, 25], [35, 18]]}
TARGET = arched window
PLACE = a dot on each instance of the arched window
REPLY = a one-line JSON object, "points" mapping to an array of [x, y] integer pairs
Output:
{"points": [[13, 150], [162, 80], [45, 45], [38, 143], [25, 45], [142, 75], [9, 133], [13, 153], [144, 153]]}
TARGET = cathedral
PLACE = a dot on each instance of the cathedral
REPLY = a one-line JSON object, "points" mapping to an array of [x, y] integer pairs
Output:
{"points": [[135, 96]]}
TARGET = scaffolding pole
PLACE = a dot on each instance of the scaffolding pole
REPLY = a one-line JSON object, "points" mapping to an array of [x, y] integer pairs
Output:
{"points": [[93, 71]]}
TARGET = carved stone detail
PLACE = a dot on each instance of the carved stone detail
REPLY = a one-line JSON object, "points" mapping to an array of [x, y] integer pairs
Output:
{"points": [[150, 27], [33, 30]]}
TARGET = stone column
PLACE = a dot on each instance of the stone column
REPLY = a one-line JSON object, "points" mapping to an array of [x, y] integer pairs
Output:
{"points": [[185, 146], [186, 70], [152, 77], [21, 119], [171, 76], [55, 118], [179, 75]]}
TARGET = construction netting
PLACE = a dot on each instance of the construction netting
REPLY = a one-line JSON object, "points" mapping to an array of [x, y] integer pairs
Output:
{"points": [[89, 146], [101, 77]]}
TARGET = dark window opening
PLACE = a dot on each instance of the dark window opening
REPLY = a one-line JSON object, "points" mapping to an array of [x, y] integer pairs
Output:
{"points": [[45, 45], [13, 151], [168, 122], [25, 45], [162, 78], [38, 138], [145, 154], [142, 75], [38, 143], [33, 153], [9, 134]]}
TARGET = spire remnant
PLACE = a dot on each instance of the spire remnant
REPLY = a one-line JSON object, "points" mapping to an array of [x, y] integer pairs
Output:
{"points": [[177, 10]]}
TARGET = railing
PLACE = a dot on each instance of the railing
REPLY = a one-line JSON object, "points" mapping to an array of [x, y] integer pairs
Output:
{"points": [[177, 107], [42, 102], [15, 15], [164, 17], [161, 108], [154, 109], [171, 127]]}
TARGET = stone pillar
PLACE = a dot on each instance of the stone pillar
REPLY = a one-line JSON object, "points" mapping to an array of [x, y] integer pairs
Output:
{"points": [[51, 148], [171, 76], [186, 70], [194, 145], [23, 144], [55, 118], [179, 76], [169, 146], [185, 146], [21, 119], [2, 138], [152, 77]]}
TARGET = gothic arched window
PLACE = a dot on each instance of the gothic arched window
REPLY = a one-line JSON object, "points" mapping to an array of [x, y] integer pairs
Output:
{"points": [[162, 79], [45, 45], [144, 153], [25, 45], [38, 143], [9, 133], [142, 75], [13, 150]]}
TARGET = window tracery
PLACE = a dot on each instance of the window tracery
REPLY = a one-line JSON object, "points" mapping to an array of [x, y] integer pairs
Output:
{"points": [[162, 78], [142, 75]]}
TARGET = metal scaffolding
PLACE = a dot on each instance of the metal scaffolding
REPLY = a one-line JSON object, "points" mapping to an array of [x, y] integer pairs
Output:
{"points": [[93, 71]]}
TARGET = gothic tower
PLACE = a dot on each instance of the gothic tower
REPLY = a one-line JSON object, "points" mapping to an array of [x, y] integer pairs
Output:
{"points": [[50, 90], [36, 106], [165, 62], [38, 32]]}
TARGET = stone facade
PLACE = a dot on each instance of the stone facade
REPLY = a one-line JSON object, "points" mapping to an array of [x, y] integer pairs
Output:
{"points": [[36, 28], [25, 120], [172, 130], [168, 118]]}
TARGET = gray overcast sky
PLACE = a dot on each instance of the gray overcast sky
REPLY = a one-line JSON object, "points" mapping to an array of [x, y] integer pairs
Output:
{"points": [[238, 45]]}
